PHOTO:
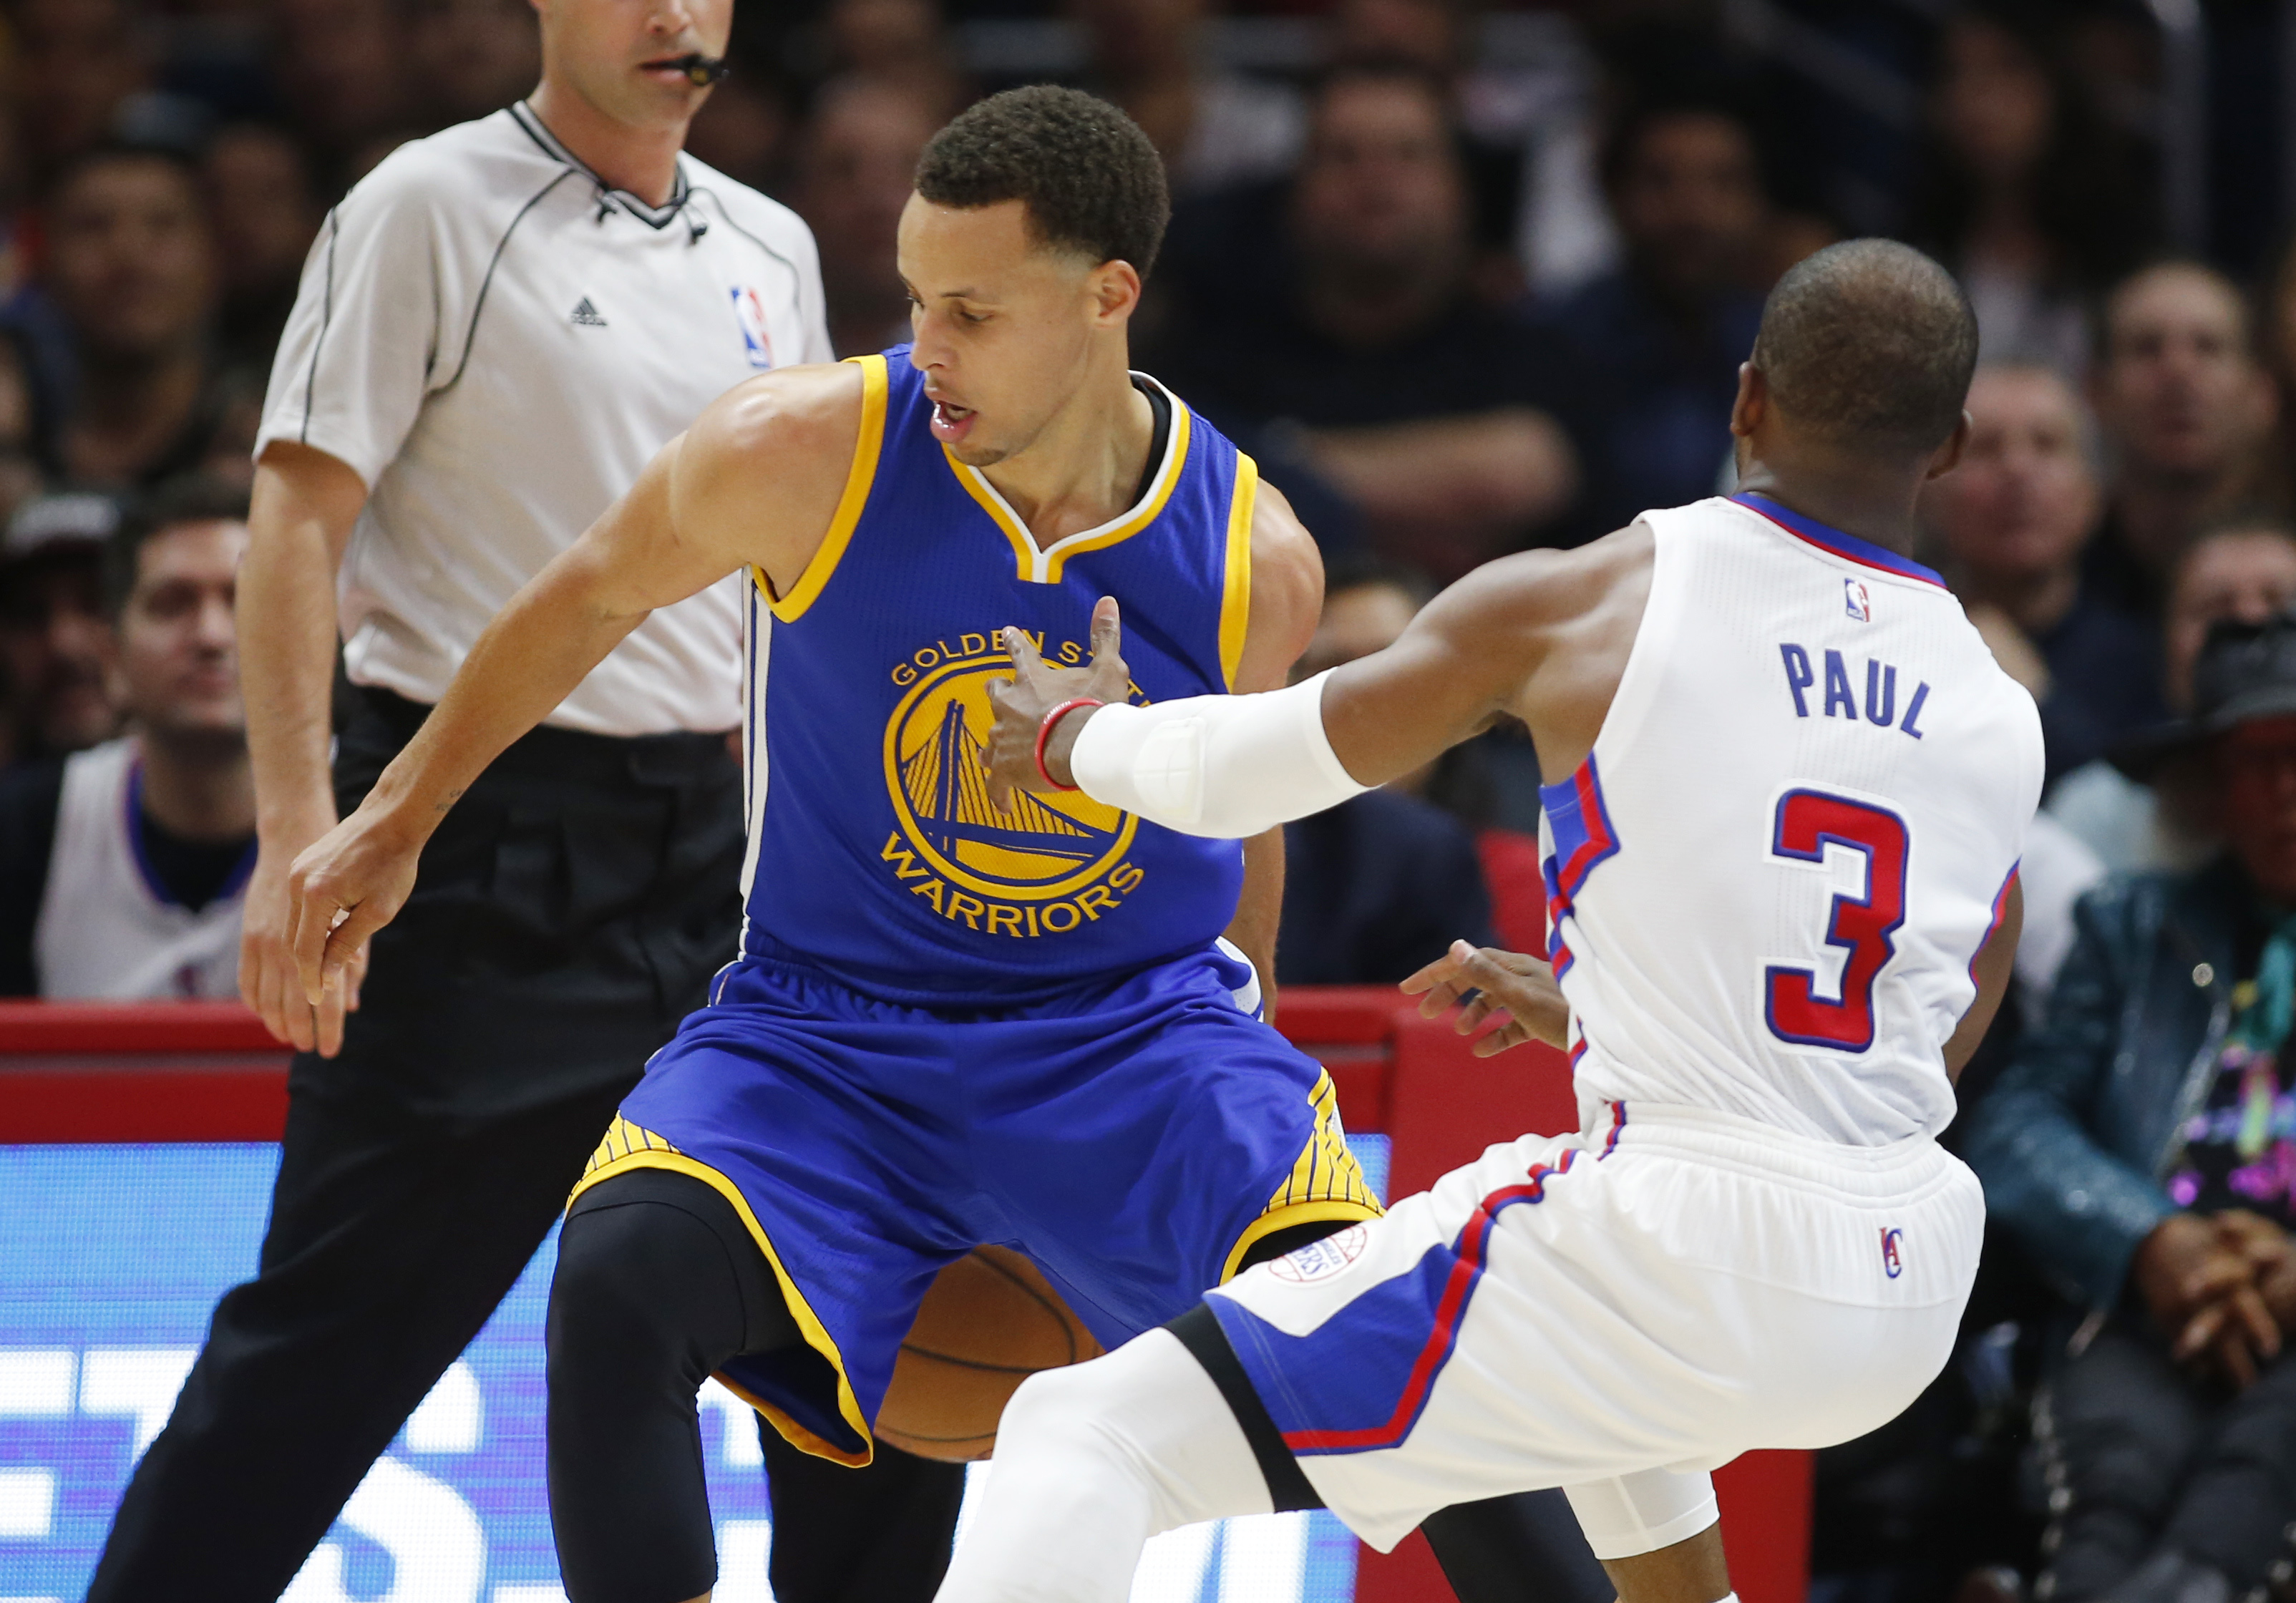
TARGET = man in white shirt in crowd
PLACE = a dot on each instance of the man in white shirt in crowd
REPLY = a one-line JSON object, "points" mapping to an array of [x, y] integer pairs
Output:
{"points": [[497, 329], [122, 867]]}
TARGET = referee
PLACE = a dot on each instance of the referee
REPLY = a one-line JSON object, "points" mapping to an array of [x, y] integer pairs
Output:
{"points": [[497, 329]]}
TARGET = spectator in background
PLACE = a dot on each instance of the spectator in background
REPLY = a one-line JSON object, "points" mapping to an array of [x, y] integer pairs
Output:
{"points": [[78, 62], [2186, 409], [56, 639], [2155, 817], [854, 169], [471, 57], [1651, 352], [21, 433], [266, 211], [903, 43], [2030, 200], [2168, 1424], [2014, 519], [1526, 134], [1379, 886], [746, 126], [131, 273], [1329, 323], [121, 866], [340, 68], [1213, 127]]}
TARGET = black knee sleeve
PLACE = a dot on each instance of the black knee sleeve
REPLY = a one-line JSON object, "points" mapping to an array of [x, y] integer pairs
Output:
{"points": [[1526, 1547], [658, 1283]]}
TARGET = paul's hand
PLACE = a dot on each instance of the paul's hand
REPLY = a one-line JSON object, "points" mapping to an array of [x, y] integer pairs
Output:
{"points": [[341, 889], [268, 980], [1517, 990], [1035, 689]]}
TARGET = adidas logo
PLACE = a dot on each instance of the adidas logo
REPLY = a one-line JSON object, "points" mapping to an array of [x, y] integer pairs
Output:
{"points": [[586, 316]]}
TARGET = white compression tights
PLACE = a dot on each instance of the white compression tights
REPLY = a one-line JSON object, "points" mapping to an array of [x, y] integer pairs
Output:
{"points": [[1091, 1462]]}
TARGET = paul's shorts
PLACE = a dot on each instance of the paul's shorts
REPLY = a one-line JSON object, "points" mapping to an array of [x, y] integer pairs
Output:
{"points": [[1615, 1313], [1134, 1137]]}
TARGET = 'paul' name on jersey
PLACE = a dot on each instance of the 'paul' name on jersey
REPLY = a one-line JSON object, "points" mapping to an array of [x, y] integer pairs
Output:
{"points": [[1840, 697]]}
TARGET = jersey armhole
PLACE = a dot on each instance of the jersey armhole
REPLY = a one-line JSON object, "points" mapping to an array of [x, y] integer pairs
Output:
{"points": [[858, 477], [1236, 589]]}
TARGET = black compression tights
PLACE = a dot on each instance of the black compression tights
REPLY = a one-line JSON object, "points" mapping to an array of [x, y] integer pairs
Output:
{"points": [[657, 1285]]}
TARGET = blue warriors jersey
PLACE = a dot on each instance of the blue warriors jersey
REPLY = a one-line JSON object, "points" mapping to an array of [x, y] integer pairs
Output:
{"points": [[875, 855]]}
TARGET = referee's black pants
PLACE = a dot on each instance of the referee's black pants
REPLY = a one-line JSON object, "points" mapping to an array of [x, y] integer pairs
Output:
{"points": [[568, 913]]}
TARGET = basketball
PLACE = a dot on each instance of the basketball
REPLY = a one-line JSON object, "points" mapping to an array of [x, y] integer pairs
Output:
{"points": [[989, 1322]]}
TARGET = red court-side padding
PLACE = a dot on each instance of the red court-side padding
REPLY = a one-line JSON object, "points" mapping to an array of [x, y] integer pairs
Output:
{"points": [[189, 1071], [209, 1072]]}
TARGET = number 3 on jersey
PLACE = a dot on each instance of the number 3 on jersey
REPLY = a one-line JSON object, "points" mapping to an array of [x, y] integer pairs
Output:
{"points": [[1865, 927]]}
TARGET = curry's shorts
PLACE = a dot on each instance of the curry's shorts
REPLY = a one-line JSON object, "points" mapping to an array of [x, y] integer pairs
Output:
{"points": [[1134, 1139], [1615, 1313]]}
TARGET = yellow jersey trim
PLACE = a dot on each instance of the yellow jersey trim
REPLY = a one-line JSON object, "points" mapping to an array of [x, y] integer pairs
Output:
{"points": [[858, 477], [1299, 1213], [1326, 1181], [628, 1147], [1235, 593], [1044, 565]]}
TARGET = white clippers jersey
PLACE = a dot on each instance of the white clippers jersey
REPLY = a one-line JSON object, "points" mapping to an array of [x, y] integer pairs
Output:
{"points": [[1768, 882], [107, 929]]}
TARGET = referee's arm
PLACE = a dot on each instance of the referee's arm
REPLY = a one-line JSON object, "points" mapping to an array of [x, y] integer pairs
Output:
{"points": [[304, 505], [756, 480]]}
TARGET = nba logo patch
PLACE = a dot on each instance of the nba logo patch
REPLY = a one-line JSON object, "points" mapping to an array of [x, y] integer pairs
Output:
{"points": [[1855, 601], [1321, 1260], [1893, 1258], [749, 315]]}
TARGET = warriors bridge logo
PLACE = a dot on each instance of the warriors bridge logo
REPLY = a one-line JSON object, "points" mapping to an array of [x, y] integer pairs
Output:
{"points": [[1051, 865]]}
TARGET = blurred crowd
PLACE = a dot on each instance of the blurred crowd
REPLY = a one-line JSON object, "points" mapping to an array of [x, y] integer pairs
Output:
{"points": [[1464, 282]]}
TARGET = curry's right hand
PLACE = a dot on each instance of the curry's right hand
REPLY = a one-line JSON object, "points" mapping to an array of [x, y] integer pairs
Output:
{"points": [[341, 889], [268, 982]]}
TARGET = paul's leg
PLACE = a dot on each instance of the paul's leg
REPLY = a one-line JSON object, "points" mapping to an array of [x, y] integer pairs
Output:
{"points": [[1523, 1547], [658, 1283], [1690, 1571], [1658, 1533], [1092, 1462]]}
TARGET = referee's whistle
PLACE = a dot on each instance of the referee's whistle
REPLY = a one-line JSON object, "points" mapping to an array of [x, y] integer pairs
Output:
{"points": [[702, 70]]}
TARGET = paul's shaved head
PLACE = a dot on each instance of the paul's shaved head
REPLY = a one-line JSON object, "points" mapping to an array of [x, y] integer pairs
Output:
{"points": [[1869, 345]]}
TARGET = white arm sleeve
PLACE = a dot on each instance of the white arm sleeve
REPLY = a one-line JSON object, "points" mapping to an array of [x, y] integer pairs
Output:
{"points": [[1224, 766]]}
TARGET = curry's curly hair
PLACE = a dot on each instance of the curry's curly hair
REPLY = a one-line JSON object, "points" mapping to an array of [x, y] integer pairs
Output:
{"points": [[1089, 177]]}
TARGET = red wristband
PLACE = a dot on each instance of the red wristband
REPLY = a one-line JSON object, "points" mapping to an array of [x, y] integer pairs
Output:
{"points": [[1045, 733]]}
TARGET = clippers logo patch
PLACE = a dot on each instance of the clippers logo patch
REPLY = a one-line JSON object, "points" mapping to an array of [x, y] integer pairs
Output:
{"points": [[1893, 1258], [1856, 601], [757, 334], [1321, 1260]]}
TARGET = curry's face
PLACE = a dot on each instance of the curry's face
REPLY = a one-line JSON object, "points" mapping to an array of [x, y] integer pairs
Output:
{"points": [[1001, 324]]}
